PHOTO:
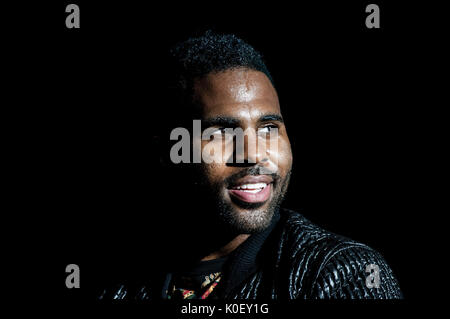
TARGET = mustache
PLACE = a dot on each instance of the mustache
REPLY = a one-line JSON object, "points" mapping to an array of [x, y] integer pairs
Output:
{"points": [[252, 171]]}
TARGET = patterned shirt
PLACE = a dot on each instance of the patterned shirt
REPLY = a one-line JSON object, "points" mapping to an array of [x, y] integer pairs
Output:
{"points": [[197, 282]]}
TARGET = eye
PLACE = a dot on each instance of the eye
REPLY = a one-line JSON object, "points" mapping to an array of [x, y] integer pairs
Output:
{"points": [[267, 129], [218, 131]]}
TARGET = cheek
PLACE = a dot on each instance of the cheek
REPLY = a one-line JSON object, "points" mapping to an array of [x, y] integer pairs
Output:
{"points": [[215, 173], [213, 161], [217, 150], [284, 157], [281, 155]]}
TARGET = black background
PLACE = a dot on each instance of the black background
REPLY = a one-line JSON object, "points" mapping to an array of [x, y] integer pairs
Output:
{"points": [[349, 96]]}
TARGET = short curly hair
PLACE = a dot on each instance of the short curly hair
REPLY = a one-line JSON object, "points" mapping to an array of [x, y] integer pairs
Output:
{"points": [[211, 52]]}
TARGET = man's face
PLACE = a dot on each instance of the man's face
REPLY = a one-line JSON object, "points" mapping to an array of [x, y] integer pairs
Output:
{"points": [[246, 194]]}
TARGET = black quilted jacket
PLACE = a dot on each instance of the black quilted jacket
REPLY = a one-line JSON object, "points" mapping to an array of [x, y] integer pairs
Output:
{"points": [[292, 259]]}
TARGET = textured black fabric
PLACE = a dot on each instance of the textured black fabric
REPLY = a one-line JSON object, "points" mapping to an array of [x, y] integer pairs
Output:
{"points": [[292, 259], [246, 259]]}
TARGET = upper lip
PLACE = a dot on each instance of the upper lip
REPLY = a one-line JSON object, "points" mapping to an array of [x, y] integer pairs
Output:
{"points": [[251, 180]]}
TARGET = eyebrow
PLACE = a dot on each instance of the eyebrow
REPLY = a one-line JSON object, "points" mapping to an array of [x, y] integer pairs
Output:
{"points": [[270, 118], [230, 121], [225, 121]]}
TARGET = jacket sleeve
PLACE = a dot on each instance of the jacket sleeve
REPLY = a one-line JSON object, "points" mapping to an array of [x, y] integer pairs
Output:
{"points": [[355, 272]]}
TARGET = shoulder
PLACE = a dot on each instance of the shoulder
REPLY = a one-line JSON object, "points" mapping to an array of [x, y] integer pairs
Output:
{"points": [[300, 234], [326, 265]]}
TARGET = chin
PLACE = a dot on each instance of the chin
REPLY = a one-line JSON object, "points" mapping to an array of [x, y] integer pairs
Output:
{"points": [[242, 217], [248, 220]]}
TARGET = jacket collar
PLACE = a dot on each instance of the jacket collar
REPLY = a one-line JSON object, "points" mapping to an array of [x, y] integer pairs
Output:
{"points": [[243, 261]]}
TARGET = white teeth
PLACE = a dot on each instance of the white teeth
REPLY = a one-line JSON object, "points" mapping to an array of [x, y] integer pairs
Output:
{"points": [[253, 191], [252, 188]]}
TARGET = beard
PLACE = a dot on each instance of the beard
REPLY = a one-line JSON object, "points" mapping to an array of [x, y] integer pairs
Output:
{"points": [[248, 218], [252, 221]]}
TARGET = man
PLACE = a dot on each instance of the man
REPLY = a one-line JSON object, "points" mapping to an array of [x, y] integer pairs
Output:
{"points": [[250, 247]]}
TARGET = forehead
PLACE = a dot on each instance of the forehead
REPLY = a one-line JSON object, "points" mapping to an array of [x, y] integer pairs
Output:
{"points": [[237, 93]]}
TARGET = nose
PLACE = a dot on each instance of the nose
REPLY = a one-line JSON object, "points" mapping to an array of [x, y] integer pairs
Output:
{"points": [[246, 151]]}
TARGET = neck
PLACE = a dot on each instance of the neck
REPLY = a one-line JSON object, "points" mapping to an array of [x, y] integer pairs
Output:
{"points": [[228, 248]]}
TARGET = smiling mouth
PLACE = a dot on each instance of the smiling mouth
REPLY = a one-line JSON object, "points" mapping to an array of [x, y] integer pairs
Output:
{"points": [[252, 189]]}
